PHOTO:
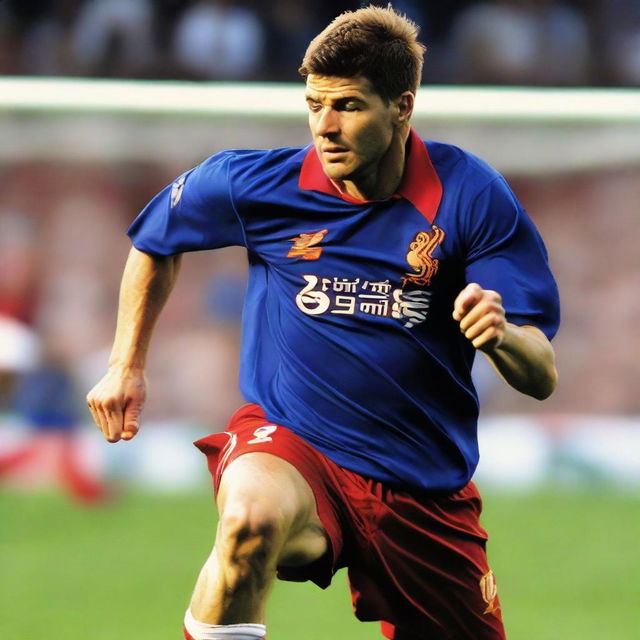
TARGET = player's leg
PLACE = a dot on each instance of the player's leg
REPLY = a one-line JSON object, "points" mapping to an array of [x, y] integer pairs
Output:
{"points": [[267, 518]]}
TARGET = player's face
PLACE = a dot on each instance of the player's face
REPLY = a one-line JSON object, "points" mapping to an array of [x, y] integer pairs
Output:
{"points": [[351, 124]]}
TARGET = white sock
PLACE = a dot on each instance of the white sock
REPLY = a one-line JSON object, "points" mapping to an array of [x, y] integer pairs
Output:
{"points": [[204, 631]]}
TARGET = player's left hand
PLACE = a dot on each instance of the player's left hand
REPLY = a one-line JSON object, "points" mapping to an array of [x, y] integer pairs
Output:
{"points": [[481, 316]]}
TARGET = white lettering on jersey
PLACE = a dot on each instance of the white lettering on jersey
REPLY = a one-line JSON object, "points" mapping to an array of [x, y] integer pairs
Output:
{"points": [[329, 295], [312, 302]]}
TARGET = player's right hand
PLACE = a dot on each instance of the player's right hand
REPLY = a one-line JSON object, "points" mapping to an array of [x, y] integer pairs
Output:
{"points": [[116, 403]]}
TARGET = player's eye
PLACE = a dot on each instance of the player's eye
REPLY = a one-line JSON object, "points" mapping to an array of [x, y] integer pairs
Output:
{"points": [[314, 106]]}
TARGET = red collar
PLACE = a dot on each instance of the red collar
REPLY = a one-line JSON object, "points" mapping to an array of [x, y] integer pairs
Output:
{"points": [[420, 182]]}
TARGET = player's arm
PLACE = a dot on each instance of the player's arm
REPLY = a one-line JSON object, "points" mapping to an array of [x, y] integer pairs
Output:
{"points": [[522, 355], [117, 400]]}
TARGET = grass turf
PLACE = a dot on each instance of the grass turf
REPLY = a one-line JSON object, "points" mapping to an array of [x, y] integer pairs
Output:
{"points": [[568, 568]]}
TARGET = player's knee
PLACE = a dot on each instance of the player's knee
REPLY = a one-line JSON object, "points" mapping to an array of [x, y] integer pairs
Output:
{"points": [[250, 540]]}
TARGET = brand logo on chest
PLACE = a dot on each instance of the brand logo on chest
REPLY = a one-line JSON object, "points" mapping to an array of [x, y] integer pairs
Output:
{"points": [[305, 245]]}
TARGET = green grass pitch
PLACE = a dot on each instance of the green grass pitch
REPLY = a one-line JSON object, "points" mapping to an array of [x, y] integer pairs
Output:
{"points": [[568, 568]]}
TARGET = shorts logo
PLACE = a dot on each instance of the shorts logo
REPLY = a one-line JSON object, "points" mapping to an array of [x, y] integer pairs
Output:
{"points": [[489, 590], [263, 434], [176, 191], [420, 257], [304, 245]]}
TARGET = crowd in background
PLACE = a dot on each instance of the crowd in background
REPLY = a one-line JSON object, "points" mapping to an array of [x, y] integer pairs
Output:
{"points": [[537, 42]]}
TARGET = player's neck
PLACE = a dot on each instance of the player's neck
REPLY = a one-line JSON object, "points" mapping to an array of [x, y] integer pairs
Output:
{"points": [[381, 180]]}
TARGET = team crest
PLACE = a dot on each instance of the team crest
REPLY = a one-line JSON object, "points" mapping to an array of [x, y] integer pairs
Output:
{"points": [[489, 590], [305, 245], [420, 257]]}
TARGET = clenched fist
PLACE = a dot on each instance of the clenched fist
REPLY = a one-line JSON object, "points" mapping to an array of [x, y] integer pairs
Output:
{"points": [[481, 316], [116, 403]]}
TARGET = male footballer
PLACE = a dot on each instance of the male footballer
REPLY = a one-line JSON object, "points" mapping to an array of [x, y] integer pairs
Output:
{"points": [[379, 264]]}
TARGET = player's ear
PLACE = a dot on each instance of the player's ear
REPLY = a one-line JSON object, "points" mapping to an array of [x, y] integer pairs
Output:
{"points": [[403, 107]]}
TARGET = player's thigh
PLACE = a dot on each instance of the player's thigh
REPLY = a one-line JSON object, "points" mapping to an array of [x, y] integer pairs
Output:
{"points": [[260, 491]]}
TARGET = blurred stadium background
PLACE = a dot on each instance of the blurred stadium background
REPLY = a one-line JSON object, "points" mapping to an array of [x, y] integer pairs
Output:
{"points": [[104, 102]]}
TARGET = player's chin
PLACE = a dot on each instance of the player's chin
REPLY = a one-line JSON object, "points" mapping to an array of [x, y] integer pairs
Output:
{"points": [[337, 170]]}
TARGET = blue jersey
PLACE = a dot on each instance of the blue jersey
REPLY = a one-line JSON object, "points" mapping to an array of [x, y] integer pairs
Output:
{"points": [[348, 335]]}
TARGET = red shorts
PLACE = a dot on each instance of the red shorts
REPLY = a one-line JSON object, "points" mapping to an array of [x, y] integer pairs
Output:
{"points": [[416, 562]]}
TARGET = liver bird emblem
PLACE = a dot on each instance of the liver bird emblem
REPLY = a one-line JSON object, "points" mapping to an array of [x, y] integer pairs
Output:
{"points": [[420, 257]]}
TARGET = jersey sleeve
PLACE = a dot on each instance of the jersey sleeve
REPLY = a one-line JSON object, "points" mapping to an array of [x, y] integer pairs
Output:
{"points": [[505, 253], [193, 213]]}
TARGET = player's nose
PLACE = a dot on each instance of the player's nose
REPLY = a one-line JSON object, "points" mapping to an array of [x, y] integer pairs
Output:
{"points": [[328, 122]]}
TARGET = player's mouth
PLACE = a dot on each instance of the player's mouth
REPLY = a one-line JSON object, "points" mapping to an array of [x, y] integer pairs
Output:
{"points": [[333, 150], [333, 154]]}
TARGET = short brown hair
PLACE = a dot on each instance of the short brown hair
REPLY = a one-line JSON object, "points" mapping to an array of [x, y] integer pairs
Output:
{"points": [[374, 42]]}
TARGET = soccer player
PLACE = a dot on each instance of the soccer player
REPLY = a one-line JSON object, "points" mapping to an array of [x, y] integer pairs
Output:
{"points": [[379, 265]]}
